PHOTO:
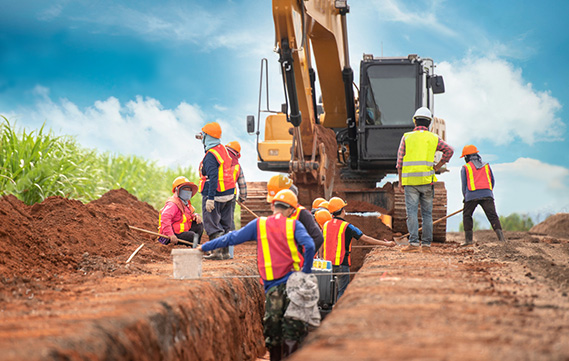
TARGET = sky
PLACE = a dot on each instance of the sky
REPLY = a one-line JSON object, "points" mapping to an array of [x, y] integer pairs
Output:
{"points": [[142, 77]]}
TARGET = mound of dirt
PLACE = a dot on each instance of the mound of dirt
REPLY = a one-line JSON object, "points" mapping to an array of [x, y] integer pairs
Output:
{"points": [[370, 226], [61, 235], [556, 226]]}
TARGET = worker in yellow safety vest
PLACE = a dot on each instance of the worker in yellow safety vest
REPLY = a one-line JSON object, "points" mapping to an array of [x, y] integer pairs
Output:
{"points": [[477, 185], [416, 169], [217, 186]]}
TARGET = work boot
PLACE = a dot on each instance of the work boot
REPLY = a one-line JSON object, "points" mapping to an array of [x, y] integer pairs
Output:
{"points": [[500, 235], [467, 239], [411, 249], [289, 346], [225, 253], [276, 353], [215, 255], [426, 249]]}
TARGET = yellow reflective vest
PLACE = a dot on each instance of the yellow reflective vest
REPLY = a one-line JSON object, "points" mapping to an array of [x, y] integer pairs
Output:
{"points": [[418, 162]]}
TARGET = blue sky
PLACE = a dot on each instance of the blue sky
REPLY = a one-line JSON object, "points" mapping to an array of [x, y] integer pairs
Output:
{"points": [[141, 77]]}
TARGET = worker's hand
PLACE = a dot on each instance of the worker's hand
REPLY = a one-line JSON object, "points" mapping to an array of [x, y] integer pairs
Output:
{"points": [[174, 239], [198, 219], [400, 188], [242, 200], [199, 248], [209, 205], [389, 243]]}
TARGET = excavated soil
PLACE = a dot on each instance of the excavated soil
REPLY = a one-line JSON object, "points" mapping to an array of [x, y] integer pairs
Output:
{"points": [[556, 226], [67, 294]]}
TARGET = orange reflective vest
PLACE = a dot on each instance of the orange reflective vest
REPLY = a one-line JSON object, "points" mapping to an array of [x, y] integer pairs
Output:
{"points": [[236, 169], [184, 222], [335, 242], [277, 252], [203, 178], [296, 213], [478, 178], [225, 179]]}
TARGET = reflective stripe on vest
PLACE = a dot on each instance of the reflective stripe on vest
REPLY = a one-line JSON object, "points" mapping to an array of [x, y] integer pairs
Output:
{"points": [[236, 175], [420, 148], [296, 213], [203, 178], [225, 179], [335, 241], [275, 257], [478, 178]]}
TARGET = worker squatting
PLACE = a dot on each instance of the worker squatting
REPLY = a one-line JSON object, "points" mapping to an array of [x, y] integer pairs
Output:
{"points": [[290, 239]]}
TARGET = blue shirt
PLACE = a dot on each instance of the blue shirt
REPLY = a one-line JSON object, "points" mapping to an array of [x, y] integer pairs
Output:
{"points": [[249, 233], [210, 168], [351, 232]]}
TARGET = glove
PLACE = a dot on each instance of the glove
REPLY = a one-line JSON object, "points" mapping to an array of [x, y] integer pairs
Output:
{"points": [[209, 205], [242, 200]]}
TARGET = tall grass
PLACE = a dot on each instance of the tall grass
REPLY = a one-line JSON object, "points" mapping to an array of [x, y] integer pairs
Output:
{"points": [[37, 164]]}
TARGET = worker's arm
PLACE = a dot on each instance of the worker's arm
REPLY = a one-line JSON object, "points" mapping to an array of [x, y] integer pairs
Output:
{"points": [[167, 218], [447, 154], [242, 186], [210, 169], [308, 221], [492, 177], [303, 239], [400, 155], [247, 233], [371, 240], [463, 181]]}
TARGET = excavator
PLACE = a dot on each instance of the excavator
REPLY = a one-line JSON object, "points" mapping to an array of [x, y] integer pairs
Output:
{"points": [[346, 143]]}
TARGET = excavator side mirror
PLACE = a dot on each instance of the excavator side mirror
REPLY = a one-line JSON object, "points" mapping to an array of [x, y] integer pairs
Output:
{"points": [[250, 124], [437, 84]]}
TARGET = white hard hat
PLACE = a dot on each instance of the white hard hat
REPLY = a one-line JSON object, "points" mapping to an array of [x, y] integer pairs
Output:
{"points": [[423, 112]]}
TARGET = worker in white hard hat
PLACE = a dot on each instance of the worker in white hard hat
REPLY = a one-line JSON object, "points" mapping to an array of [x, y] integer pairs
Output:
{"points": [[416, 169]]}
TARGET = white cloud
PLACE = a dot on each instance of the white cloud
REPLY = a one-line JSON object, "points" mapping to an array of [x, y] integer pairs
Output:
{"points": [[525, 186], [488, 99]]}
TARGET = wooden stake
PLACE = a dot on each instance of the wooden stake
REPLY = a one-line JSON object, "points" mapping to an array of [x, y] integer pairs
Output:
{"points": [[134, 253]]}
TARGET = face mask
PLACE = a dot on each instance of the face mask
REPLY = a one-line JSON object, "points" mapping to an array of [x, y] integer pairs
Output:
{"points": [[185, 194]]}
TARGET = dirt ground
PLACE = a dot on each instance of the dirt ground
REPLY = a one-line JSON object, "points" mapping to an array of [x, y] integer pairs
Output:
{"points": [[66, 293]]}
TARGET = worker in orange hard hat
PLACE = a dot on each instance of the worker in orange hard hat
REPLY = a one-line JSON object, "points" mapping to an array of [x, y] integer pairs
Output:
{"points": [[316, 204], [217, 186], [477, 185], [338, 235], [280, 182], [178, 219], [322, 216], [281, 243], [234, 150], [416, 169]]}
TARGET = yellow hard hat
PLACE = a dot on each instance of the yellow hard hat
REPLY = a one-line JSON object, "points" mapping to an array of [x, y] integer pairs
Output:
{"points": [[276, 184], [213, 129], [316, 203], [322, 216], [335, 204], [183, 181], [286, 196]]}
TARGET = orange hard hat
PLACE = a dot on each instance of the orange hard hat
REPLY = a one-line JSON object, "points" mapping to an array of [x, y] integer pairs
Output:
{"points": [[183, 181], [468, 149], [324, 205], [316, 203], [235, 146], [213, 129], [322, 216], [286, 196], [335, 204], [276, 184]]}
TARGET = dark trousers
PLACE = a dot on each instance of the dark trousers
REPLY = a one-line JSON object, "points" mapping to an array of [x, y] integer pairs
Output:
{"points": [[489, 208], [189, 235], [343, 280], [219, 219]]}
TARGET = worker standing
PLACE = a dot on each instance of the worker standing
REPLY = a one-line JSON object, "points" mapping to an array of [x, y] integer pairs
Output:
{"points": [[338, 235], [280, 242], [316, 204], [477, 185], [217, 186], [234, 150], [280, 182], [178, 219], [416, 169]]}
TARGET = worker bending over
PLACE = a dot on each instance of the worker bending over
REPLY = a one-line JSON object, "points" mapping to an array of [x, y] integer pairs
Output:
{"points": [[338, 235], [477, 185], [281, 242], [178, 219]]}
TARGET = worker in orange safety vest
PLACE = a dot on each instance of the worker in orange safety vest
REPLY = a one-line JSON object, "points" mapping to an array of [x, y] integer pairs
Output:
{"points": [[477, 185], [338, 235]]}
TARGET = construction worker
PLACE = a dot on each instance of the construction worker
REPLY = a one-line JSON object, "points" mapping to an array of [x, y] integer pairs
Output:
{"points": [[477, 185], [280, 182], [234, 150], [338, 235], [316, 204], [322, 216], [178, 219], [217, 186], [415, 160], [280, 242]]}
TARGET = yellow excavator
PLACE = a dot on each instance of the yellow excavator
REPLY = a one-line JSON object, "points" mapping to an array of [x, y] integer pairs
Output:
{"points": [[347, 142]]}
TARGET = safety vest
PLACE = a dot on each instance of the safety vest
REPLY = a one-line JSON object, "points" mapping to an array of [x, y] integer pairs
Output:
{"points": [[225, 179], [420, 148], [184, 223], [478, 178], [203, 178], [277, 253], [296, 213], [236, 170], [335, 241]]}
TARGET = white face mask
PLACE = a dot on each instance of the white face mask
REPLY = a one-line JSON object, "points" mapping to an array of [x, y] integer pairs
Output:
{"points": [[185, 194]]}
